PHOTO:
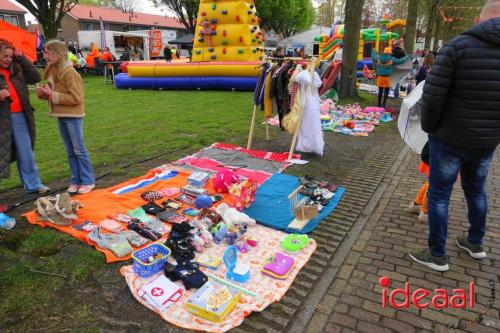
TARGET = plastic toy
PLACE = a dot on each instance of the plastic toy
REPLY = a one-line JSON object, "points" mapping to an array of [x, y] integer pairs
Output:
{"points": [[279, 267], [293, 243], [238, 272], [252, 242]]}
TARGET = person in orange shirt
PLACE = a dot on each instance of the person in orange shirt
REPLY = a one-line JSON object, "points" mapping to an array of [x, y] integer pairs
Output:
{"points": [[17, 122], [90, 58], [107, 56]]}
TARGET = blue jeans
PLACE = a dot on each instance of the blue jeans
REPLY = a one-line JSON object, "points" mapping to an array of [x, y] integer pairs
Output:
{"points": [[446, 162], [28, 172], [71, 130]]}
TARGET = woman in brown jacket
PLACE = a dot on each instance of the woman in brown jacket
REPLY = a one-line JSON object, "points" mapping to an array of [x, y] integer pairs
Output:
{"points": [[64, 93], [17, 123]]}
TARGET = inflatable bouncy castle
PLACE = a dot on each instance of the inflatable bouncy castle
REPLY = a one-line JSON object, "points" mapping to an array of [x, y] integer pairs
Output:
{"points": [[227, 53], [378, 38]]}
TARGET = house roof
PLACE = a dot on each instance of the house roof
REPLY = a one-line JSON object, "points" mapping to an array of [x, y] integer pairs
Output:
{"points": [[83, 12], [6, 5]]}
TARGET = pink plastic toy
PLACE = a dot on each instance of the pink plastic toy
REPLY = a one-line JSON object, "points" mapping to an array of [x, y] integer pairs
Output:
{"points": [[373, 109]]}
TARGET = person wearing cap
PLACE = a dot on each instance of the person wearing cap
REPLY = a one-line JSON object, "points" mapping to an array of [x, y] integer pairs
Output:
{"points": [[384, 64]]}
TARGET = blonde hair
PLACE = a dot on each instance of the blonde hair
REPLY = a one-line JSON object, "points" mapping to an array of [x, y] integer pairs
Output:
{"points": [[55, 69]]}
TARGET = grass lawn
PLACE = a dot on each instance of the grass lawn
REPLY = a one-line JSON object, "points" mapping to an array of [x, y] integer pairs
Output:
{"points": [[121, 127]]}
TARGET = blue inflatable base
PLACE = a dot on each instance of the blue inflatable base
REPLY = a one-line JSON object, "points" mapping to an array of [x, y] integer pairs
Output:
{"points": [[123, 81]]}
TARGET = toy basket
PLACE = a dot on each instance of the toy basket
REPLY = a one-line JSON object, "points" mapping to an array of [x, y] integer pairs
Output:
{"points": [[144, 268]]}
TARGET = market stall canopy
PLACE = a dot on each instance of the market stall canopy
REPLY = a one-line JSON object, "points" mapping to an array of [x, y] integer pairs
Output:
{"points": [[184, 40], [23, 40]]}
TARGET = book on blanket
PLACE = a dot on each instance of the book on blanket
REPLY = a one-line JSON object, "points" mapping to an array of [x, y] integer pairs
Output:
{"points": [[160, 292]]}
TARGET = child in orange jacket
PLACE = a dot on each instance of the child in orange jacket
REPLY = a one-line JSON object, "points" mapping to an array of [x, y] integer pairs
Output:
{"points": [[419, 205]]}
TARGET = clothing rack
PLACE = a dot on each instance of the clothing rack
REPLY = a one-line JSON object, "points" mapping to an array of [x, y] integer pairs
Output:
{"points": [[312, 66]]}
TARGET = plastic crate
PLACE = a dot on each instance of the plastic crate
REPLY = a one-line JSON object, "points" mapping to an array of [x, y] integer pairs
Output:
{"points": [[145, 269]]}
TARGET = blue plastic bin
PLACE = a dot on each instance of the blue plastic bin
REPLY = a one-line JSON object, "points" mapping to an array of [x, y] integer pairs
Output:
{"points": [[145, 269]]}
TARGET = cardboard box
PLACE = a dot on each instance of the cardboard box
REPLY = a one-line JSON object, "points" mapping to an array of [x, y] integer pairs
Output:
{"points": [[214, 301]]}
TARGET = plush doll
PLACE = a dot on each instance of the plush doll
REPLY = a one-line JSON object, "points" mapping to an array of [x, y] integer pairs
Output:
{"points": [[233, 217], [326, 106], [223, 179]]}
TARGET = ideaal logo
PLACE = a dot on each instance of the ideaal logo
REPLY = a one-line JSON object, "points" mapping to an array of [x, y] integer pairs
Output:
{"points": [[460, 298]]}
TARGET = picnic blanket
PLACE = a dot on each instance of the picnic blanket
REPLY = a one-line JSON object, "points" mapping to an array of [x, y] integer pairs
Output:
{"points": [[272, 206], [268, 289], [121, 198], [257, 165]]}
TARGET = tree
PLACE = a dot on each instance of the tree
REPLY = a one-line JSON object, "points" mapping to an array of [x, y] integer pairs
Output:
{"points": [[49, 13], [411, 26], [353, 11], [325, 13], [285, 16], [185, 10], [370, 15], [431, 21], [125, 5]]}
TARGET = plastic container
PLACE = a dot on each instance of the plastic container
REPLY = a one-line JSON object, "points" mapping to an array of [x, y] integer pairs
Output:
{"points": [[142, 265], [7, 222]]}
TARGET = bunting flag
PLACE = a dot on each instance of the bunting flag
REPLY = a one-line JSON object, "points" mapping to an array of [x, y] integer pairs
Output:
{"points": [[103, 34], [40, 42]]}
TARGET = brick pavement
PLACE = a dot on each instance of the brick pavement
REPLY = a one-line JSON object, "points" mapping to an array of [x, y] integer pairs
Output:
{"points": [[353, 300]]}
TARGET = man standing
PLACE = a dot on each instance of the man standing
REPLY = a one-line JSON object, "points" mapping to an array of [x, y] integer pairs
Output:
{"points": [[167, 53], [461, 113]]}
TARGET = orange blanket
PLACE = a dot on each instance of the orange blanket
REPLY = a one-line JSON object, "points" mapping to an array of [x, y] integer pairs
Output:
{"points": [[98, 204]]}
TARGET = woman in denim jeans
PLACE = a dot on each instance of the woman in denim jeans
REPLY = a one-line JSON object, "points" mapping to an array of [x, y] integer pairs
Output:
{"points": [[17, 122], [64, 93]]}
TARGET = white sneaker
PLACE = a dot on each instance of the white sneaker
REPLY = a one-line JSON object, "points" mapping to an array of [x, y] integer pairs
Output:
{"points": [[73, 188], [422, 217], [86, 188], [414, 208]]}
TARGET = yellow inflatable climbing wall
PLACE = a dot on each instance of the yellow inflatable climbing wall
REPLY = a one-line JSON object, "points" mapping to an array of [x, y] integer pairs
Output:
{"points": [[227, 30]]}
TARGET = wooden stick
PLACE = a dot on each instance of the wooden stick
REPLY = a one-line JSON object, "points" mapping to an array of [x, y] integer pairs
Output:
{"points": [[267, 129], [252, 127], [295, 136], [48, 273], [295, 191]]}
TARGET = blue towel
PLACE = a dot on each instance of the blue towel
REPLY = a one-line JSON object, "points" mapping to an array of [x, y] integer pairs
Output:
{"points": [[272, 207]]}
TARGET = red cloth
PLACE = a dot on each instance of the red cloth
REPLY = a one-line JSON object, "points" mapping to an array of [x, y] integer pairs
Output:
{"points": [[16, 105]]}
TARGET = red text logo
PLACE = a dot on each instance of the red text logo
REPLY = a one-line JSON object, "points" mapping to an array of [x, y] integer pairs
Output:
{"points": [[460, 298]]}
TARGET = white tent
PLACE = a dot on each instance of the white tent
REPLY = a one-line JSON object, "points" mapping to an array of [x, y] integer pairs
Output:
{"points": [[409, 120], [302, 38]]}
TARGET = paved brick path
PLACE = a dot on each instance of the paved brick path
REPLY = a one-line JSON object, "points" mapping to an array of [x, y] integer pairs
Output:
{"points": [[353, 300]]}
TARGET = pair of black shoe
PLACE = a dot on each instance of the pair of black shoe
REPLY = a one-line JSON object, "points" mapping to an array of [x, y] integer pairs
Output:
{"points": [[179, 242]]}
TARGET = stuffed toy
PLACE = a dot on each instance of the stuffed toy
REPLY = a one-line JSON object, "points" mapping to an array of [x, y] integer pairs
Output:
{"points": [[224, 178], [326, 106], [232, 216]]}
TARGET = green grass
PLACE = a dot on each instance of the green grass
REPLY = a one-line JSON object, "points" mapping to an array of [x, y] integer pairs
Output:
{"points": [[123, 126], [129, 125]]}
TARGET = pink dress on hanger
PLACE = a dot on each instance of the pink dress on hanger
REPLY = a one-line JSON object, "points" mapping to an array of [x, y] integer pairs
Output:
{"points": [[310, 138]]}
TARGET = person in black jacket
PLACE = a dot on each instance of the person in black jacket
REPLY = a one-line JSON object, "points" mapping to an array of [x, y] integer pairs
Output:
{"points": [[167, 53], [461, 113]]}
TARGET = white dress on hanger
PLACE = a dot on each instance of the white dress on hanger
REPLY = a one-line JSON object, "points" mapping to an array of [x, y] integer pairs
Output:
{"points": [[310, 138]]}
